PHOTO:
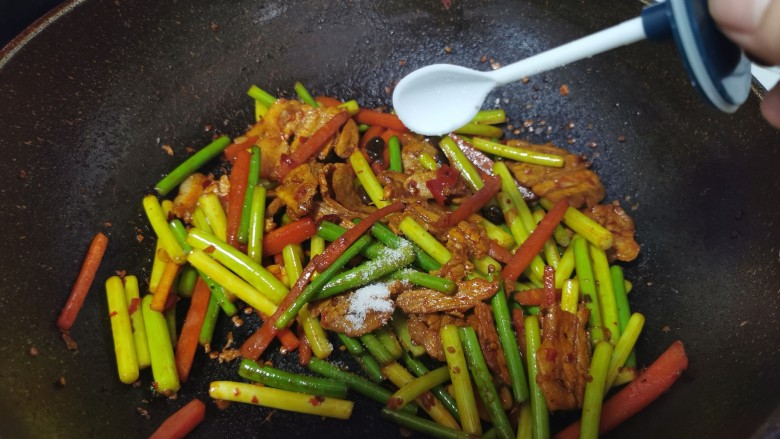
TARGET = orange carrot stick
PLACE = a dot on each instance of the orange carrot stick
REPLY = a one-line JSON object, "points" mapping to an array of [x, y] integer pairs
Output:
{"points": [[97, 248], [160, 294], [182, 422], [472, 203], [387, 120], [257, 343], [386, 135], [310, 146], [533, 245], [190, 331], [638, 394], [534, 296], [233, 149], [289, 340], [327, 101], [390, 133], [371, 132], [293, 233], [239, 178], [304, 350]]}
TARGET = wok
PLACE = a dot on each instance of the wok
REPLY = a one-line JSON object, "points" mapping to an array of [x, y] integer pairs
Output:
{"points": [[89, 95]]}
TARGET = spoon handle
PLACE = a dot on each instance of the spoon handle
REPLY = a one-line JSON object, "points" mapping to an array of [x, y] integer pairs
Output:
{"points": [[628, 32]]}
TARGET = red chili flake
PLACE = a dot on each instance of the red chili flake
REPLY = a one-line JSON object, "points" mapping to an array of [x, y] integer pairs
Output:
{"points": [[236, 392], [210, 249], [133, 306], [139, 238], [427, 400], [34, 351], [456, 369], [316, 400], [550, 354], [22, 174], [113, 314], [168, 150], [450, 349], [107, 224], [255, 400], [445, 177], [221, 404], [564, 90], [121, 273], [394, 403]]}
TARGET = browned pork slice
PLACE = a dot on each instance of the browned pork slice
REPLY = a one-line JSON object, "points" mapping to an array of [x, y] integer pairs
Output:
{"points": [[341, 202], [358, 312], [563, 358], [574, 181], [490, 343], [286, 124], [617, 221], [424, 329], [424, 301], [192, 188], [297, 191]]}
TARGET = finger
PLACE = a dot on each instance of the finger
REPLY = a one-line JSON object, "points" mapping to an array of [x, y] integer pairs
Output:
{"points": [[753, 24], [770, 107], [740, 16]]}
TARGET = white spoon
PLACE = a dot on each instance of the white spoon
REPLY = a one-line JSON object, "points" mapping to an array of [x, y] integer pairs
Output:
{"points": [[441, 98]]}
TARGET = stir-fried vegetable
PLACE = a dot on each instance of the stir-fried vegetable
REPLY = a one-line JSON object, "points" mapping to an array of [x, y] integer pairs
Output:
{"points": [[470, 279], [83, 282]]}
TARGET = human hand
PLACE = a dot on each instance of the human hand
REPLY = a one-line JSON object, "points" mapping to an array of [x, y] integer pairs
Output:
{"points": [[755, 26]]}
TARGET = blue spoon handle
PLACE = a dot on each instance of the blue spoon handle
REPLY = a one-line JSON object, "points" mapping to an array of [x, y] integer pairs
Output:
{"points": [[717, 67]]}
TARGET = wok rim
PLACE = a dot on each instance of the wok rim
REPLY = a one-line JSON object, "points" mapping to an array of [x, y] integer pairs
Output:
{"points": [[769, 428]]}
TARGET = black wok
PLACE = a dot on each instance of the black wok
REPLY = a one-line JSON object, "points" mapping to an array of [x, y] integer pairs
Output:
{"points": [[88, 102]]}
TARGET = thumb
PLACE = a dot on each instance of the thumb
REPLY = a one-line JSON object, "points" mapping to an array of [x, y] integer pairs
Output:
{"points": [[753, 24]]}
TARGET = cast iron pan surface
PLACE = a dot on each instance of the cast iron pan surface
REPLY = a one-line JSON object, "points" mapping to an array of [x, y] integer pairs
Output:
{"points": [[86, 105]]}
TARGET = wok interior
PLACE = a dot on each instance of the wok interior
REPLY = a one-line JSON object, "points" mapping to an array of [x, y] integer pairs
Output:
{"points": [[88, 104]]}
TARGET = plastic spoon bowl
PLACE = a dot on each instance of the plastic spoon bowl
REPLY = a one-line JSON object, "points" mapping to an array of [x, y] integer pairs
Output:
{"points": [[441, 98]]}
